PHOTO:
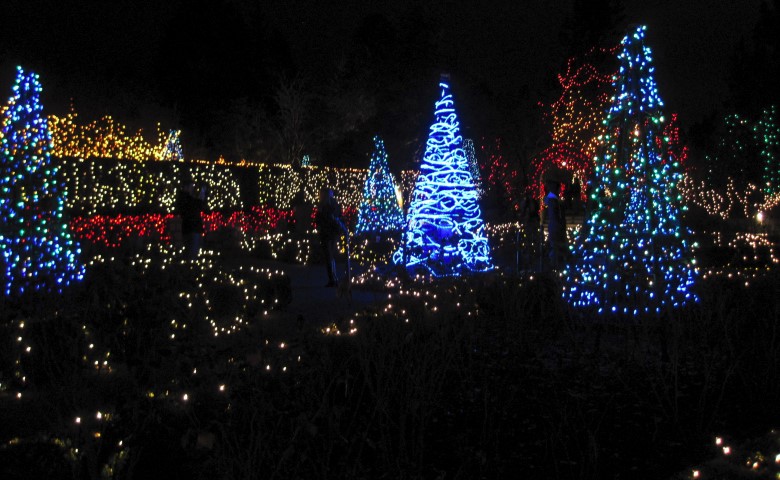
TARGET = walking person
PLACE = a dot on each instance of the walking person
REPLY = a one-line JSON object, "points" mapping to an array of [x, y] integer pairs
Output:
{"points": [[329, 228], [190, 206]]}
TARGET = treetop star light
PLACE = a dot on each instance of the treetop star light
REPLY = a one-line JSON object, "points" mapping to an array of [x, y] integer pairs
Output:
{"points": [[379, 211], [38, 251], [445, 233], [632, 255]]}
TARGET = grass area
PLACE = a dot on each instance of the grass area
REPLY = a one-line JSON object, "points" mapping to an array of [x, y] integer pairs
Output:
{"points": [[160, 368]]}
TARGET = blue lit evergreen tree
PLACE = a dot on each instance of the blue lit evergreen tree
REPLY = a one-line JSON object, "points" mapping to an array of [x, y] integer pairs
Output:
{"points": [[38, 252], [172, 151], [445, 233], [632, 254], [379, 210]]}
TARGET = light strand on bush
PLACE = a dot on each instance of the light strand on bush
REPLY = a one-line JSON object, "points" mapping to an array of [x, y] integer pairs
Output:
{"points": [[576, 119]]}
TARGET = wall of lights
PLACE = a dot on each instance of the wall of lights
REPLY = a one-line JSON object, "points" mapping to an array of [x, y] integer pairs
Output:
{"points": [[379, 210], [107, 138], [633, 255], [38, 252], [113, 186], [280, 184], [113, 231], [445, 233]]}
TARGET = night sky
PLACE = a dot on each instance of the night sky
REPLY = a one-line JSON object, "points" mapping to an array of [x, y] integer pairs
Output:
{"points": [[195, 66]]}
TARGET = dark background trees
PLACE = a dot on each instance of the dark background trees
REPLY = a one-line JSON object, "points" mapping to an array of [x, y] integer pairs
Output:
{"points": [[217, 69]]}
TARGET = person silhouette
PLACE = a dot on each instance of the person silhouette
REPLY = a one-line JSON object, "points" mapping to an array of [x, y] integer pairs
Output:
{"points": [[329, 228], [556, 224], [190, 206]]}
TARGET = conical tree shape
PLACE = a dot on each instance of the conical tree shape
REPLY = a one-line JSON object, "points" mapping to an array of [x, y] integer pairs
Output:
{"points": [[445, 233], [632, 254], [379, 210], [766, 137], [38, 252], [471, 158]]}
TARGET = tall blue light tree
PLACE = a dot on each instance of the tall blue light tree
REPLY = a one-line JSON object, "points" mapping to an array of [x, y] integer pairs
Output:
{"points": [[633, 255], [445, 233], [379, 210], [38, 251]]}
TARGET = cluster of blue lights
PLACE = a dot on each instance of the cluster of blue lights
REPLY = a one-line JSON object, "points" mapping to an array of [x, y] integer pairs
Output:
{"points": [[445, 233], [38, 252], [172, 150], [379, 210], [632, 255]]}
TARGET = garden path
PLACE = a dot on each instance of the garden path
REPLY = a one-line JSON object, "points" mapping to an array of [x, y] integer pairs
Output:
{"points": [[312, 303]]}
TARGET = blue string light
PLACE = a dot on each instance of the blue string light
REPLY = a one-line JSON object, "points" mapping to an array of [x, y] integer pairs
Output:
{"points": [[38, 252], [445, 233], [632, 255]]}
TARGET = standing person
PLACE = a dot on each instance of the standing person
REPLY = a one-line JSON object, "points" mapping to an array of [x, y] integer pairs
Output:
{"points": [[556, 224], [301, 214], [529, 231], [190, 206], [329, 228]]}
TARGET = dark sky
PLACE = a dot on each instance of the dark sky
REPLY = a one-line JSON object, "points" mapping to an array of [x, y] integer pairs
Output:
{"points": [[108, 54]]}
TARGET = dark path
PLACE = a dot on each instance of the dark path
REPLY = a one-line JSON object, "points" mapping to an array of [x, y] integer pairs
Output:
{"points": [[317, 305]]}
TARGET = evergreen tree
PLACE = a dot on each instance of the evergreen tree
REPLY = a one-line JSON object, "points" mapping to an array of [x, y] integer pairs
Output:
{"points": [[632, 254], [445, 233], [379, 210], [736, 155], [38, 252], [471, 158], [766, 138]]}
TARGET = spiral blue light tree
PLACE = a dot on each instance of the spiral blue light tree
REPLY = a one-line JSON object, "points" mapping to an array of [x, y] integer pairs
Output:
{"points": [[379, 210], [633, 255], [445, 233], [38, 252]]}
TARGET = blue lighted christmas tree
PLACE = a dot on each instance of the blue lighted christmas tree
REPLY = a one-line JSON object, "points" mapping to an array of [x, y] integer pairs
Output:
{"points": [[444, 234], [632, 255], [38, 252], [379, 210]]}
